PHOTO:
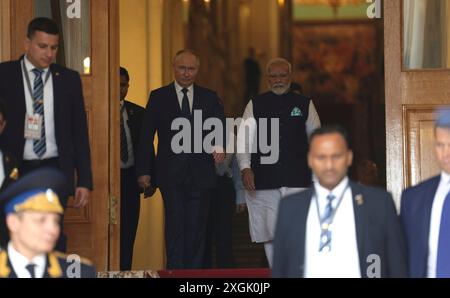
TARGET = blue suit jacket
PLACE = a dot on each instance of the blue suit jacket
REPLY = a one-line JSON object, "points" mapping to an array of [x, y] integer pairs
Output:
{"points": [[378, 231], [416, 214], [71, 131]]}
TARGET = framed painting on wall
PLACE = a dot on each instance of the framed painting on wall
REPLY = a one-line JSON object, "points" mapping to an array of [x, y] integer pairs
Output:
{"points": [[340, 66], [337, 61]]}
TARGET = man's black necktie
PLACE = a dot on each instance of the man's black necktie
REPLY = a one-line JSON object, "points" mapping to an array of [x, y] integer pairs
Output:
{"points": [[123, 138], [30, 268], [185, 109]]}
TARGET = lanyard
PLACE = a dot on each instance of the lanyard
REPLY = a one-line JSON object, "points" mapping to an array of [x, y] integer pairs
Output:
{"points": [[27, 78], [325, 226]]}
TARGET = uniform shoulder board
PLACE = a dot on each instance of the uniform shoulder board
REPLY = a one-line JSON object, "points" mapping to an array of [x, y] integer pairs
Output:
{"points": [[4, 269], [64, 256]]}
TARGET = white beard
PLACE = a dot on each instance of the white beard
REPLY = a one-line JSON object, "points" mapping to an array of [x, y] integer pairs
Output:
{"points": [[280, 90]]}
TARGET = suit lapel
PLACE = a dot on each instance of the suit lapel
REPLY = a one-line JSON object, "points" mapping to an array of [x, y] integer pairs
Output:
{"points": [[173, 99], [19, 87], [129, 111], [52, 267], [46, 275], [57, 96], [359, 211], [424, 233], [196, 105], [303, 211], [131, 122], [13, 273]]}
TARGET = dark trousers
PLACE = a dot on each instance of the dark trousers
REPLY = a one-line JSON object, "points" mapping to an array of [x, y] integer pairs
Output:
{"points": [[186, 213], [129, 215], [31, 165], [219, 236]]}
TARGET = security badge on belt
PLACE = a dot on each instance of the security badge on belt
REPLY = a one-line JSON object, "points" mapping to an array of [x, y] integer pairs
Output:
{"points": [[33, 126]]}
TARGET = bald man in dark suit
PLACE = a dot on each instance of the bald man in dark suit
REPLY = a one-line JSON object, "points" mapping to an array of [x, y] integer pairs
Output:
{"points": [[186, 179]]}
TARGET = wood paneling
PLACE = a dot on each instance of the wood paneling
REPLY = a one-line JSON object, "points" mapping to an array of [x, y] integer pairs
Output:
{"points": [[408, 127], [5, 30], [418, 135], [392, 54], [93, 238], [88, 230], [22, 11], [114, 133]]}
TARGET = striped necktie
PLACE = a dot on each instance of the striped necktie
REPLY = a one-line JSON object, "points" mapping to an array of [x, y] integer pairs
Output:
{"points": [[39, 146], [443, 253], [325, 235]]}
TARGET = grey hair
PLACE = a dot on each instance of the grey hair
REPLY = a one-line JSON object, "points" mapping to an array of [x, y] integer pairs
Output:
{"points": [[278, 60], [185, 51]]}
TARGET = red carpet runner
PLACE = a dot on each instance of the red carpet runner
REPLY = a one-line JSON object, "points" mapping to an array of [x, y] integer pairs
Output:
{"points": [[216, 273]]}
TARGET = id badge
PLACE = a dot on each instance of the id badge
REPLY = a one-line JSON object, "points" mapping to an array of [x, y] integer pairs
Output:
{"points": [[33, 127]]}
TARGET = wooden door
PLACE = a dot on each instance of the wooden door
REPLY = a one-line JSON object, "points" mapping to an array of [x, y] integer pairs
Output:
{"points": [[5, 22], [411, 98], [89, 231]]}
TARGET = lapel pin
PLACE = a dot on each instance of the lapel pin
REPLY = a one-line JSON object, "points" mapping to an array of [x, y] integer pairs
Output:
{"points": [[359, 199], [14, 174]]}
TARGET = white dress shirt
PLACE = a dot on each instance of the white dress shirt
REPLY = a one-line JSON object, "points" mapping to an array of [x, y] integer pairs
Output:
{"points": [[435, 222], [180, 94], [19, 263], [343, 259], [50, 139], [244, 158], [130, 161]]}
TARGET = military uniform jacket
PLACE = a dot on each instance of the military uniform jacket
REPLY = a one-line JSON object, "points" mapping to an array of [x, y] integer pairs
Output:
{"points": [[57, 266]]}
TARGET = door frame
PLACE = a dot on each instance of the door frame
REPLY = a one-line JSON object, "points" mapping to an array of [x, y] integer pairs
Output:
{"points": [[411, 98], [105, 248], [5, 30]]}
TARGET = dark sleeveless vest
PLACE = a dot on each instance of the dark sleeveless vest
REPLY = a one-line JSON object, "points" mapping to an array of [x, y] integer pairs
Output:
{"points": [[291, 169]]}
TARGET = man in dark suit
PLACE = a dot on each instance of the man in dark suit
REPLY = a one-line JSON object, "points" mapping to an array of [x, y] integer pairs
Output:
{"points": [[47, 121], [337, 228], [130, 127], [186, 178], [31, 210], [266, 183], [425, 213]]}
